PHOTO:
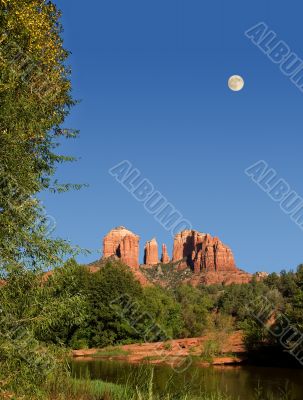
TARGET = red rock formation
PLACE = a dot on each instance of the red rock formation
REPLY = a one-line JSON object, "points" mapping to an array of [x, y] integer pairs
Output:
{"points": [[151, 255], [220, 277], [165, 259], [183, 245], [211, 261], [124, 244], [202, 252]]}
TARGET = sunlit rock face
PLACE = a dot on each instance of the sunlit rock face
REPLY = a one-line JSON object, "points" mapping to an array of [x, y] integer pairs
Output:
{"points": [[165, 259], [151, 254], [202, 252], [124, 244], [210, 261]]}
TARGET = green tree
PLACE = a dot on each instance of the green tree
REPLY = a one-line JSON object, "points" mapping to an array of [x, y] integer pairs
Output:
{"points": [[163, 312], [114, 296], [195, 308], [33, 317], [35, 99], [294, 303], [64, 299]]}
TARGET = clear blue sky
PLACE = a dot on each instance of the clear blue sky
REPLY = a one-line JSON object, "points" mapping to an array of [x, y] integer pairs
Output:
{"points": [[151, 77]]}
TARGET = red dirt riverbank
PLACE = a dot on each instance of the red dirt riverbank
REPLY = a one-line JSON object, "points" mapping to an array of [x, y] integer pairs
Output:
{"points": [[232, 351]]}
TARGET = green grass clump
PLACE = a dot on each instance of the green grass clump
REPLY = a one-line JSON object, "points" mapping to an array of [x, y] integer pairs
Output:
{"points": [[111, 351]]}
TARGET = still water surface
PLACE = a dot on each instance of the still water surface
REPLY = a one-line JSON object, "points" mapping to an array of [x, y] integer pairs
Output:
{"points": [[239, 382]]}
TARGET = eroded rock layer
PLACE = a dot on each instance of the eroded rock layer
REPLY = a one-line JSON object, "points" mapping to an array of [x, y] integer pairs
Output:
{"points": [[124, 244], [151, 255], [165, 259], [205, 258], [202, 252]]}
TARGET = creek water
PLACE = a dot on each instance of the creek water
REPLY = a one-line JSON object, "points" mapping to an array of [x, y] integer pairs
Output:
{"points": [[238, 382]]}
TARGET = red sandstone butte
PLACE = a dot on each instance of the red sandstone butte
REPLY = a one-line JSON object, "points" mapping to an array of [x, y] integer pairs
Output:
{"points": [[202, 252], [211, 261], [151, 255], [124, 244], [165, 259]]}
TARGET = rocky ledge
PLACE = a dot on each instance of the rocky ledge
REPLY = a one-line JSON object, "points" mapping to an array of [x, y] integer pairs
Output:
{"points": [[208, 260]]}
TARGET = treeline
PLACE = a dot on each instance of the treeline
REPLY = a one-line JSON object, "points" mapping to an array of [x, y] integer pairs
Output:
{"points": [[109, 307], [42, 315], [35, 99]]}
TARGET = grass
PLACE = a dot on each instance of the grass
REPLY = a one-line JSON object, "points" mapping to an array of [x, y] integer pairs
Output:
{"points": [[139, 386], [111, 351], [87, 389], [98, 390], [167, 346], [151, 358]]}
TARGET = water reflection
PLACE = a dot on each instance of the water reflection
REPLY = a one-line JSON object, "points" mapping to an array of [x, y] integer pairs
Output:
{"points": [[236, 381]]}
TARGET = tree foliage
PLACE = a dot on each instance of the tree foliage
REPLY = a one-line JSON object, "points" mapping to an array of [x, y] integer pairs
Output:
{"points": [[36, 321], [195, 308], [35, 98]]}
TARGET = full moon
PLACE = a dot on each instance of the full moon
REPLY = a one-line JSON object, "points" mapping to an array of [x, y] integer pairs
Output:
{"points": [[236, 83]]}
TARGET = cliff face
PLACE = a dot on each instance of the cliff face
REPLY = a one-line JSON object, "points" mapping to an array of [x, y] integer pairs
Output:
{"points": [[151, 255], [210, 260], [165, 259], [202, 252], [124, 244]]}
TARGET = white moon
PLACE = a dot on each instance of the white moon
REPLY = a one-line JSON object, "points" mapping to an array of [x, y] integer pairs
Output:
{"points": [[236, 83]]}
